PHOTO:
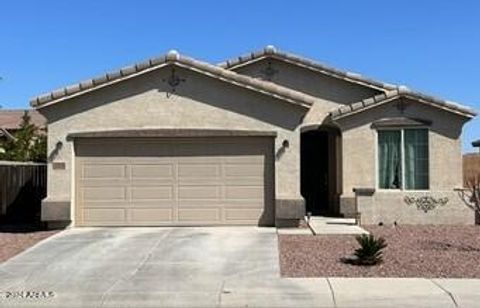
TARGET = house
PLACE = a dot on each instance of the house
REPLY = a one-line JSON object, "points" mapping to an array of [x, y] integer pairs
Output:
{"points": [[11, 119], [471, 167], [258, 140]]}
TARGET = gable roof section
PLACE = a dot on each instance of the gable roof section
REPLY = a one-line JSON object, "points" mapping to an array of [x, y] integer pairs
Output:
{"points": [[174, 58], [271, 52], [401, 92]]}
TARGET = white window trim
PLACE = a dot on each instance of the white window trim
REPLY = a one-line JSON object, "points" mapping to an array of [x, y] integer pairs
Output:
{"points": [[402, 150]]}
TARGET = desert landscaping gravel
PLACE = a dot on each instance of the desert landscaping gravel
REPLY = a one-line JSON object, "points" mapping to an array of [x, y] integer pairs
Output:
{"points": [[413, 251], [15, 240]]}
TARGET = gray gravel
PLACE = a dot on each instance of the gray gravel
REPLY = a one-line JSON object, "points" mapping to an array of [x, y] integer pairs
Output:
{"points": [[413, 251], [14, 240]]}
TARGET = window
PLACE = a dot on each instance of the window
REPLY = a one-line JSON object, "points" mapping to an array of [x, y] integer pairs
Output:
{"points": [[403, 159]]}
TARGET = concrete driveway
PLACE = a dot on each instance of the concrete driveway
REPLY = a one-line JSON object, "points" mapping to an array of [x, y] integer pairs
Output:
{"points": [[196, 267], [155, 267]]}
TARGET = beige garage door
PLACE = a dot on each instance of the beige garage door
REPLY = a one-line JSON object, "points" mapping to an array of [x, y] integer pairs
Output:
{"points": [[135, 182]]}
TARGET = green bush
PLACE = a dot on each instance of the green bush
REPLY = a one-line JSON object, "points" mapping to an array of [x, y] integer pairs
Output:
{"points": [[371, 249]]}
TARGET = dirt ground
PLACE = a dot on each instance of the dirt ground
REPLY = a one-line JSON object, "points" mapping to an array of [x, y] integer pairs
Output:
{"points": [[15, 239], [413, 251]]}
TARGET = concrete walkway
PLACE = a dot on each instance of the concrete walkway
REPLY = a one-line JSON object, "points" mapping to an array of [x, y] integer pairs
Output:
{"points": [[333, 225], [195, 267]]}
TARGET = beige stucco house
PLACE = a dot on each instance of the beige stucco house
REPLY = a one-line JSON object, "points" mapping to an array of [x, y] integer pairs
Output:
{"points": [[261, 139]]}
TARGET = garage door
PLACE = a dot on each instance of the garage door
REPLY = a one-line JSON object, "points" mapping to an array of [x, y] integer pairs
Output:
{"points": [[196, 181]]}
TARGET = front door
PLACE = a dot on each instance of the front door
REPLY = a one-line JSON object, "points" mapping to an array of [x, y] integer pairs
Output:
{"points": [[314, 171]]}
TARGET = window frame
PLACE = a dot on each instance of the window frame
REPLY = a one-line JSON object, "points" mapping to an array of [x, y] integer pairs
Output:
{"points": [[402, 153]]}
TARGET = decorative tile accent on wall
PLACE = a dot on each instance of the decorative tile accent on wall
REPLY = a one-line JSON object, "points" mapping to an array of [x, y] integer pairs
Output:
{"points": [[425, 203], [173, 81], [269, 71]]}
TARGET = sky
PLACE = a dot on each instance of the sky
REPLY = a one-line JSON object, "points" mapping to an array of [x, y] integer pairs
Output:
{"points": [[430, 46]]}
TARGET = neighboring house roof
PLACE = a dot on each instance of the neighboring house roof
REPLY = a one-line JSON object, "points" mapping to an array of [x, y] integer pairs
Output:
{"points": [[476, 143], [175, 58], [271, 52], [4, 133], [401, 92], [11, 119]]}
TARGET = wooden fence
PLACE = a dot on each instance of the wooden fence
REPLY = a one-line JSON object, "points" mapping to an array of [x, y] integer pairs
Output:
{"points": [[22, 188], [471, 166]]}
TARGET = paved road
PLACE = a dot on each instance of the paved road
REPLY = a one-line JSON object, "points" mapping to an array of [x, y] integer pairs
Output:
{"points": [[195, 267]]}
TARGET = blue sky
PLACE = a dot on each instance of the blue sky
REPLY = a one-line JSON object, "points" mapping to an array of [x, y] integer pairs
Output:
{"points": [[431, 46]]}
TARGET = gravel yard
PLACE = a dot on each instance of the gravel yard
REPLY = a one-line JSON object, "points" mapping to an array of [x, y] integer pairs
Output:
{"points": [[14, 240], [413, 251]]}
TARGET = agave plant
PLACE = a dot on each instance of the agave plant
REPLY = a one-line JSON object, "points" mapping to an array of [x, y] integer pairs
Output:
{"points": [[370, 251]]}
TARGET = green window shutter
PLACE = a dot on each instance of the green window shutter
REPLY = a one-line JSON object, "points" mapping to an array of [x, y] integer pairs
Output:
{"points": [[416, 158], [389, 159]]}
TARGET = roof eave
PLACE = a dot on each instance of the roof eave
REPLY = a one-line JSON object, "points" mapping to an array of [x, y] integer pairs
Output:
{"points": [[36, 102], [461, 111], [271, 52], [108, 79]]}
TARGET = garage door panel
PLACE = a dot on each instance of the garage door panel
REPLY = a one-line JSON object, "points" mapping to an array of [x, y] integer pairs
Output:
{"points": [[198, 170], [244, 204], [150, 215], [153, 204], [108, 204], [244, 192], [242, 170], [201, 181], [152, 183], [200, 192], [244, 181], [104, 171], [103, 183], [201, 203], [196, 182], [103, 193], [152, 193], [242, 214], [199, 215], [152, 171], [105, 215], [257, 159]]}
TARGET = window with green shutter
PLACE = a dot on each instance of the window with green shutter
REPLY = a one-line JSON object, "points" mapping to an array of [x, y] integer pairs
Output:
{"points": [[416, 158], [403, 159], [390, 159]]}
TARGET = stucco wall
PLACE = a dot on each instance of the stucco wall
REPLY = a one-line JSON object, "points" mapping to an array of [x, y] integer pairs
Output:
{"points": [[391, 207], [302, 79], [199, 102], [359, 144]]}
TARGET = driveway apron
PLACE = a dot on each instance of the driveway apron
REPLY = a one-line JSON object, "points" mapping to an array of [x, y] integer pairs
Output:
{"points": [[151, 267]]}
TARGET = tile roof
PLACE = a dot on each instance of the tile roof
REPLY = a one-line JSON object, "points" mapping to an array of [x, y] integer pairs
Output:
{"points": [[402, 91], [11, 119], [173, 57], [272, 52]]}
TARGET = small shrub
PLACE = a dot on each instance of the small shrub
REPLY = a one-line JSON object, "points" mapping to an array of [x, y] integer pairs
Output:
{"points": [[370, 251]]}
